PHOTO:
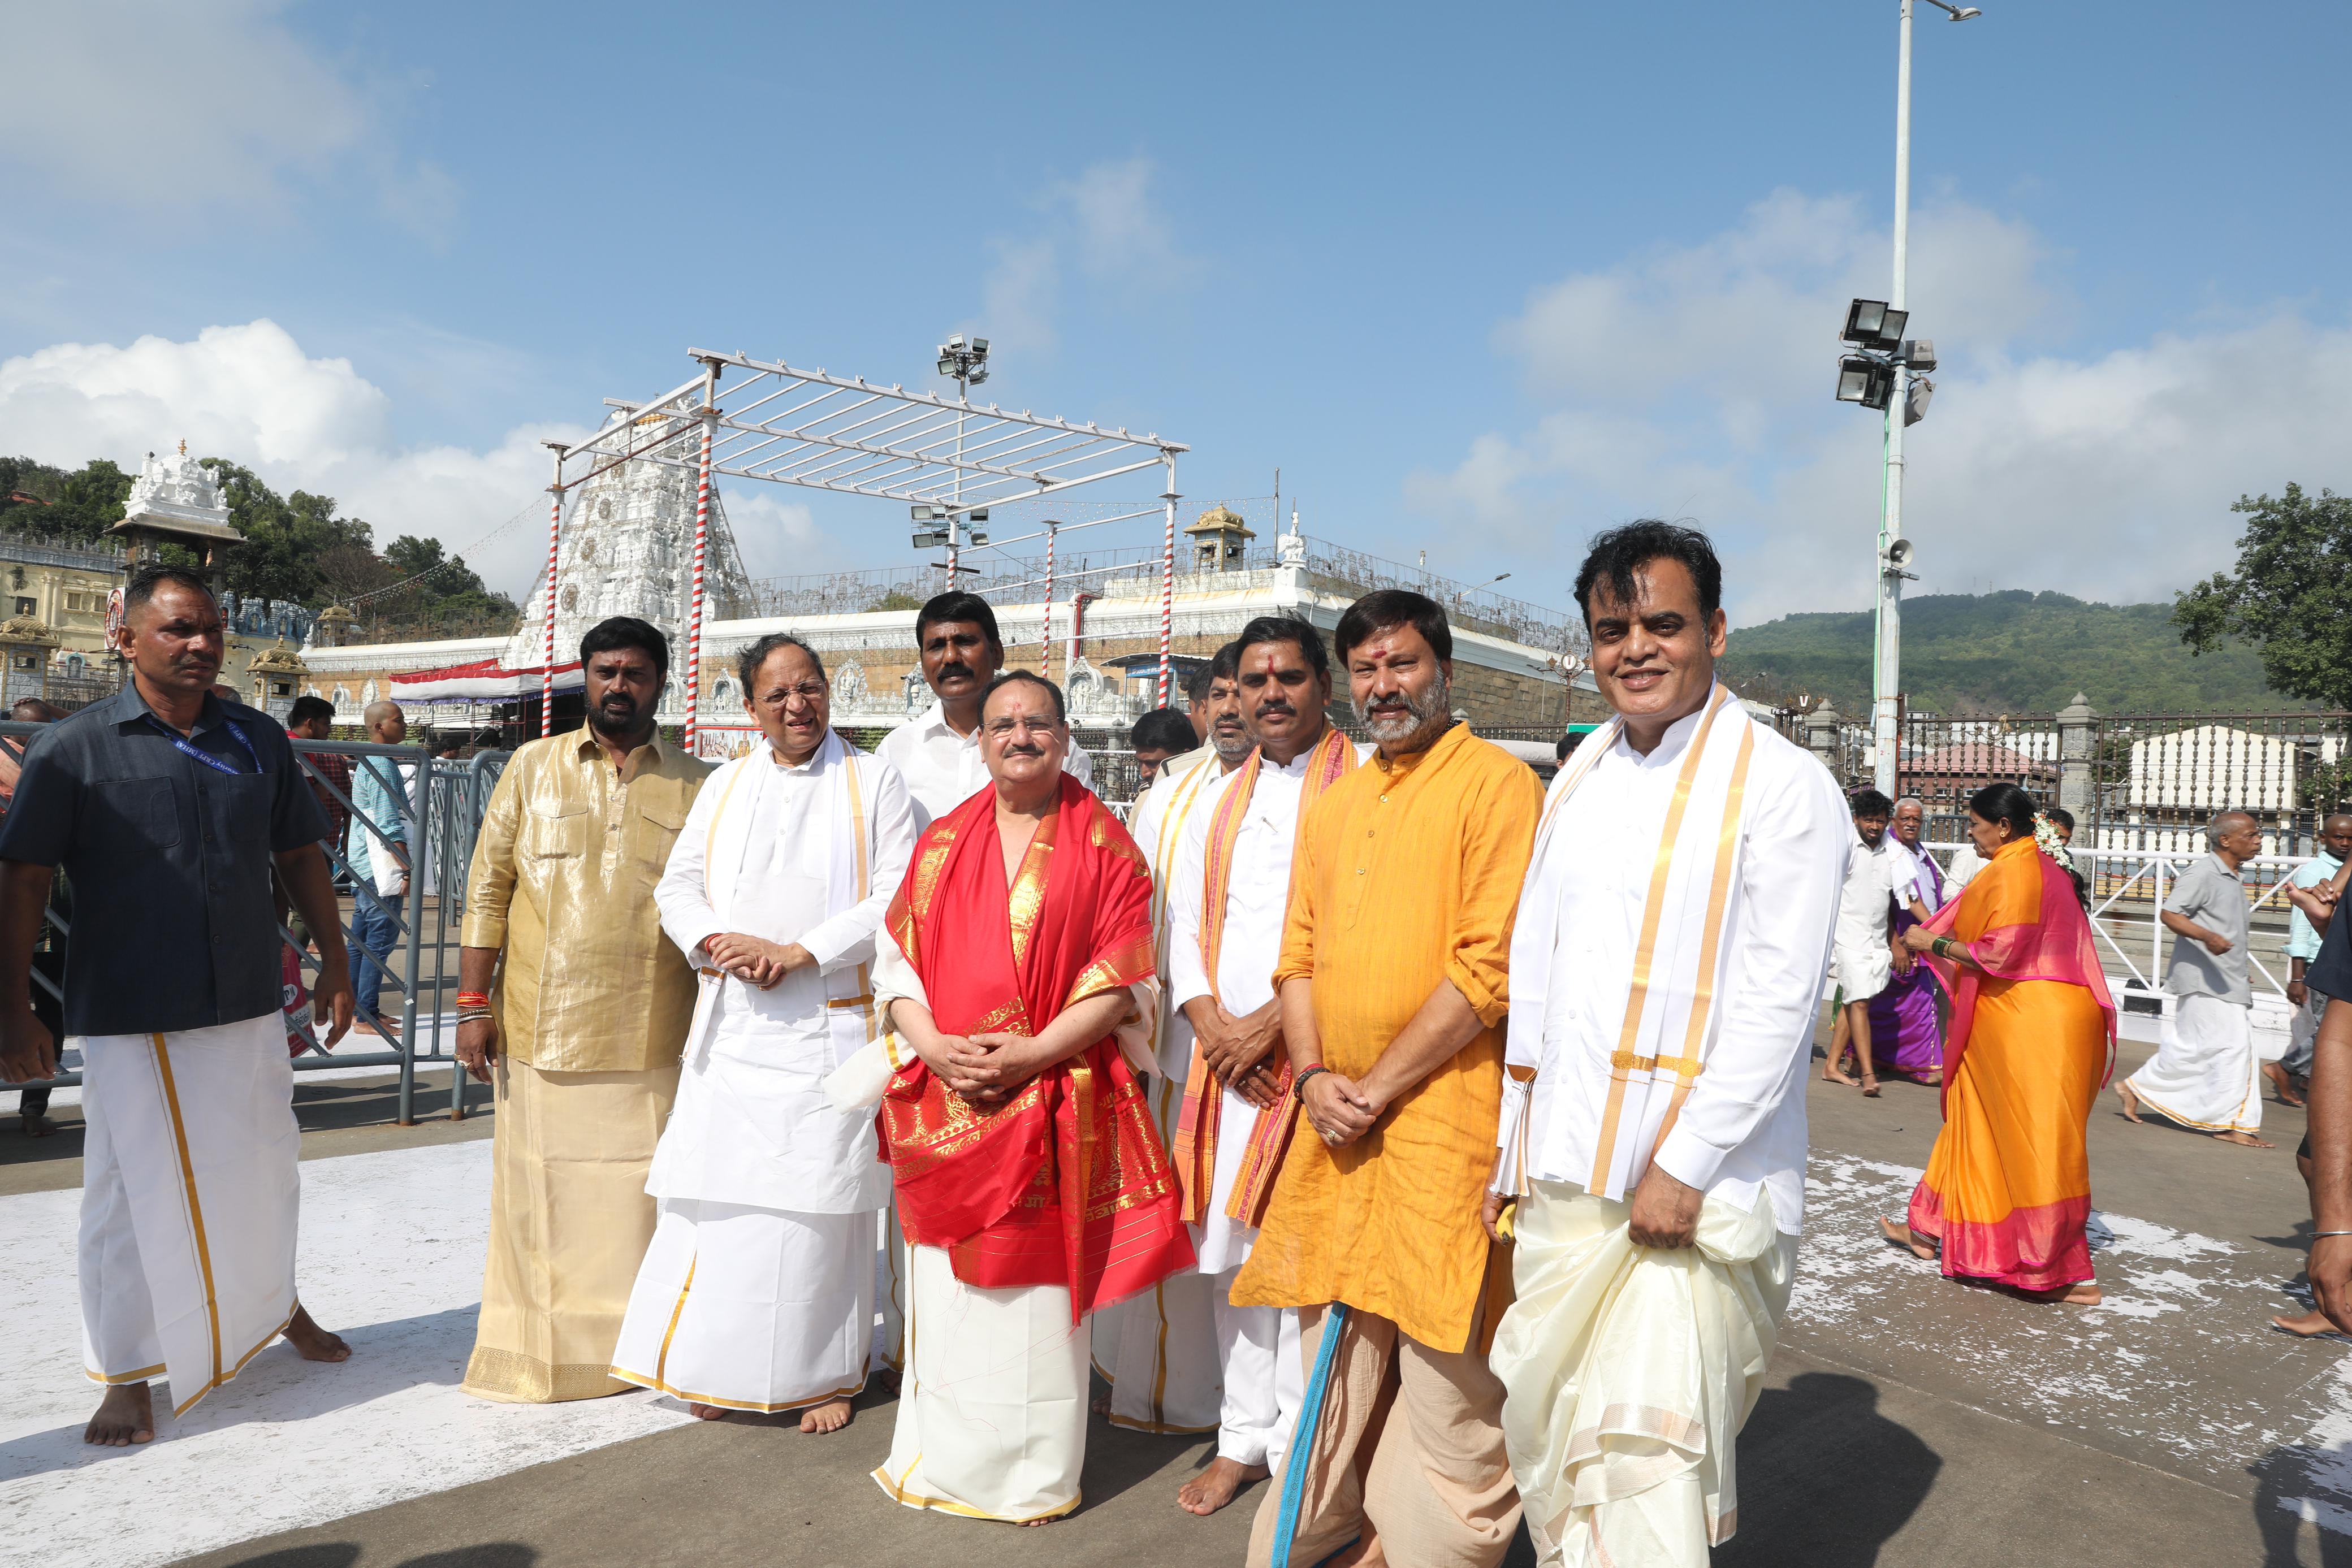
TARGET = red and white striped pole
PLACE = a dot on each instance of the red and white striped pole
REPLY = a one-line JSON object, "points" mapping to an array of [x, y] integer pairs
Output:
{"points": [[701, 543], [1167, 581], [547, 632], [1045, 635]]}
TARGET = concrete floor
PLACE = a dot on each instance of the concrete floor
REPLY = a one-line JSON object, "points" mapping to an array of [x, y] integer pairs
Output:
{"points": [[1907, 1420]]}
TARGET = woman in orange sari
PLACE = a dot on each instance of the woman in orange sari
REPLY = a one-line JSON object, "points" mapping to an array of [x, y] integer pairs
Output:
{"points": [[2007, 1196]]}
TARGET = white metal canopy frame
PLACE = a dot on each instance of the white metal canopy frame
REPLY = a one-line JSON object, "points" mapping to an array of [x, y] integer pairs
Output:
{"points": [[945, 456]]}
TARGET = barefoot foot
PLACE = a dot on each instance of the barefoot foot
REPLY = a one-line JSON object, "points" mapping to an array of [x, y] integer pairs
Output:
{"points": [[830, 1416], [2131, 1100], [1101, 1404], [313, 1342], [2243, 1140], [1831, 1075], [126, 1416], [1214, 1486], [2282, 1083], [1902, 1236], [2308, 1326], [707, 1412], [887, 1379], [2087, 1294], [1869, 1086]]}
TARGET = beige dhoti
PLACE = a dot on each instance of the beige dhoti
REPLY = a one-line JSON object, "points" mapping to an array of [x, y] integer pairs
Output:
{"points": [[1409, 1447], [1629, 1373], [570, 1222], [190, 1196]]}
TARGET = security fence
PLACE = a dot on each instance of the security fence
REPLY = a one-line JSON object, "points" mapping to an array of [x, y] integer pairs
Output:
{"points": [[427, 814]]}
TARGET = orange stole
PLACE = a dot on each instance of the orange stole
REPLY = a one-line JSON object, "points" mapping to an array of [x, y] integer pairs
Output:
{"points": [[1196, 1125], [1065, 1182]]}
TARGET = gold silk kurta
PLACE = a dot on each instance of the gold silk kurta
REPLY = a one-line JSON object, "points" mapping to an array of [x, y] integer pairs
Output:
{"points": [[1407, 873], [562, 879], [592, 1003]]}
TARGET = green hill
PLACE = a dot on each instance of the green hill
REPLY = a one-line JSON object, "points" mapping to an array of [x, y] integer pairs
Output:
{"points": [[2011, 652]]}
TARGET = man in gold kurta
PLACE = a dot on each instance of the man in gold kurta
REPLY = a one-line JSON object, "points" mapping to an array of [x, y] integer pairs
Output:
{"points": [[1393, 998], [581, 1034]]}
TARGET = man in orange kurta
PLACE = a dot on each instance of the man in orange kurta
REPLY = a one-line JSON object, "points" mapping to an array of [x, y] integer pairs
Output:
{"points": [[1392, 979]]}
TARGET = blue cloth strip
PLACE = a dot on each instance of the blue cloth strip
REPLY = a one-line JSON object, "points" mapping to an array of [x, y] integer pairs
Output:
{"points": [[1301, 1455]]}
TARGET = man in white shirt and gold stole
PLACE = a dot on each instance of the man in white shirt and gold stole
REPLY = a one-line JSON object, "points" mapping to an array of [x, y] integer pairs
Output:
{"points": [[1665, 970], [758, 1290], [1158, 1351], [1229, 892]]}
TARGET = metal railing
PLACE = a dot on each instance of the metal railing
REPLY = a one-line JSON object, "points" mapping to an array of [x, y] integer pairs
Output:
{"points": [[432, 828]]}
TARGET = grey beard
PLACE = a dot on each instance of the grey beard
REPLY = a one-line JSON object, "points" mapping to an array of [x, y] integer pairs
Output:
{"points": [[1436, 704], [1230, 748]]}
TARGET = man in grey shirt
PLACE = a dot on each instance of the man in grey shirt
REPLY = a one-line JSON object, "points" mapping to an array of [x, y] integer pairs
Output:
{"points": [[2204, 1075]]}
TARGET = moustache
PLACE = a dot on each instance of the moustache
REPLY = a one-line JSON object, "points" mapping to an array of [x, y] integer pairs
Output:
{"points": [[1275, 710], [963, 670]]}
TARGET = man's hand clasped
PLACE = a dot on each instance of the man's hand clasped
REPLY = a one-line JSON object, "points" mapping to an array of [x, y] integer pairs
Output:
{"points": [[1338, 1108], [1237, 1050], [755, 961]]}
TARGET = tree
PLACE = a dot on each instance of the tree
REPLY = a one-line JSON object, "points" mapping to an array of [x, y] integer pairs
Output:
{"points": [[897, 599], [2291, 595], [284, 536], [76, 508]]}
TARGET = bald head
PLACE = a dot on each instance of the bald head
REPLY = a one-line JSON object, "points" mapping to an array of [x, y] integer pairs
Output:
{"points": [[33, 710], [2335, 835], [2235, 836], [386, 725]]}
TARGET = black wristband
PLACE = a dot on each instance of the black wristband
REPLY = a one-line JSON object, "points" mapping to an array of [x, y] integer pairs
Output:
{"points": [[1298, 1085]]}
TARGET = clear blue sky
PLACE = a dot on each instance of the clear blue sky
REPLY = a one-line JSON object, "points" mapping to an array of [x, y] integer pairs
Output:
{"points": [[1478, 282]]}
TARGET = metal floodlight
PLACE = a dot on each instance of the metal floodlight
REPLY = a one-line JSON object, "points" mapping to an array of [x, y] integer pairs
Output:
{"points": [[1915, 406], [923, 514], [979, 346], [1862, 319], [978, 375], [1890, 329], [977, 515], [1858, 379], [947, 366], [980, 536], [1919, 353], [955, 343]]}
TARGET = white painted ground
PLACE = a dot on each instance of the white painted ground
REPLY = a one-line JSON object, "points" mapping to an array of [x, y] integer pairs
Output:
{"points": [[391, 1256], [392, 1259]]}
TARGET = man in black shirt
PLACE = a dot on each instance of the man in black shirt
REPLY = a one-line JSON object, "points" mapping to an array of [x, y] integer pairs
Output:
{"points": [[168, 809]]}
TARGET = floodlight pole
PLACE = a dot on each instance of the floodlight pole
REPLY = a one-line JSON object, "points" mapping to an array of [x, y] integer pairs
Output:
{"points": [[1886, 665], [702, 541], [1167, 576], [955, 516], [547, 634]]}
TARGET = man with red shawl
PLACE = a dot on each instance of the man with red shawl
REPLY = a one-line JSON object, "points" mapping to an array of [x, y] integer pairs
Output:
{"points": [[1031, 1183]]}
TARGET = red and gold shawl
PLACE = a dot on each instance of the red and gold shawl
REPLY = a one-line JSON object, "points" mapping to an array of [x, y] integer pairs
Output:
{"points": [[1065, 1182], [1196, 1126]]}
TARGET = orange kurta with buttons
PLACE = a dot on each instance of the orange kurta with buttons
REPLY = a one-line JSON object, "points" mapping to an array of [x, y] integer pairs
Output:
{"points": [[1407, 874]]}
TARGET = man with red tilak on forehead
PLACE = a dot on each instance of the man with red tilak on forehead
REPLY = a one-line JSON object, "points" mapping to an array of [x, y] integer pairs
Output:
{"points": [[1031, 1186], [1665, 968]]}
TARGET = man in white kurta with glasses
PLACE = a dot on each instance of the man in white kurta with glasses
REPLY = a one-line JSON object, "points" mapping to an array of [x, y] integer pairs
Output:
{"points": [[1666, 969], [758, 1292]]}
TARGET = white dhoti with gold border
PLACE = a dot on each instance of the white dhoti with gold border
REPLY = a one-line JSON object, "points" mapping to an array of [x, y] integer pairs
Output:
{"points": [[992, 1412], [1628, 1372], [190, 1197], [2205, 1073]]}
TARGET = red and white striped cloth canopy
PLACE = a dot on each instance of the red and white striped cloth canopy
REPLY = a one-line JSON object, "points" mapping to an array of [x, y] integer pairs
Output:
{"points": [[486, 679]]}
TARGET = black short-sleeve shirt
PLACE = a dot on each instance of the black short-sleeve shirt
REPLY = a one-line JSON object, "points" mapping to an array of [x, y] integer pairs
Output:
{"points": [[2331, 972], [173, 926]]}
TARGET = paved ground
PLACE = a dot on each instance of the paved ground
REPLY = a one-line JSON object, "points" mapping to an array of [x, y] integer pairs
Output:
{"points": [[1908, 1421]]}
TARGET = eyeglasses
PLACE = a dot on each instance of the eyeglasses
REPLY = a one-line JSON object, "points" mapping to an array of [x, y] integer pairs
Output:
{"points": [[807, 691]]}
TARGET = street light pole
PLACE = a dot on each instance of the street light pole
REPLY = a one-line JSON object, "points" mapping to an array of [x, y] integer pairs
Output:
{"points": [[1886, 673]]}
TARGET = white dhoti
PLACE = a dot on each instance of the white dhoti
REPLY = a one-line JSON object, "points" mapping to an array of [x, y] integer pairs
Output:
{"points": [[1860, 970], [2204, 1073], [1628, 1372], [992, 1413], [1158, 1350], [1265, 1379], [750, 1309], [190, 1196]]}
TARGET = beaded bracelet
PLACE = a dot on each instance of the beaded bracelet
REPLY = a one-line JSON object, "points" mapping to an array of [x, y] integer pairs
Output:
{"points": [[1299, 1086]]}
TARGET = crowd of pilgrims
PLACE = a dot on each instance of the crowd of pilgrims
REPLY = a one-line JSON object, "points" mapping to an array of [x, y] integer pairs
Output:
{"points": [[1434, 1138]]}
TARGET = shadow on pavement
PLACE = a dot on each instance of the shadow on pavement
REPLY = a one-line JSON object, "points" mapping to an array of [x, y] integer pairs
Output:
{"points": [[2297, 1479], [343, 1554], [1825, 1479]]}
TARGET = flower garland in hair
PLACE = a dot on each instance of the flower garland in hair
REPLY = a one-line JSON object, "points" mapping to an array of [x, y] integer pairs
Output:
{"points": [[2046, 839]]}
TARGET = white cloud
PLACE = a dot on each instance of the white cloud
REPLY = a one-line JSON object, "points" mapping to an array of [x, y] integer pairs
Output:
{"points": [[147, 104], [1109, 223], [1695, 383], [250, 394]]}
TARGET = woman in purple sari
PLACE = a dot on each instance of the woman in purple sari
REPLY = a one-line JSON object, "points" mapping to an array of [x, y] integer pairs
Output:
{"points": [[1907, 1031]]}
